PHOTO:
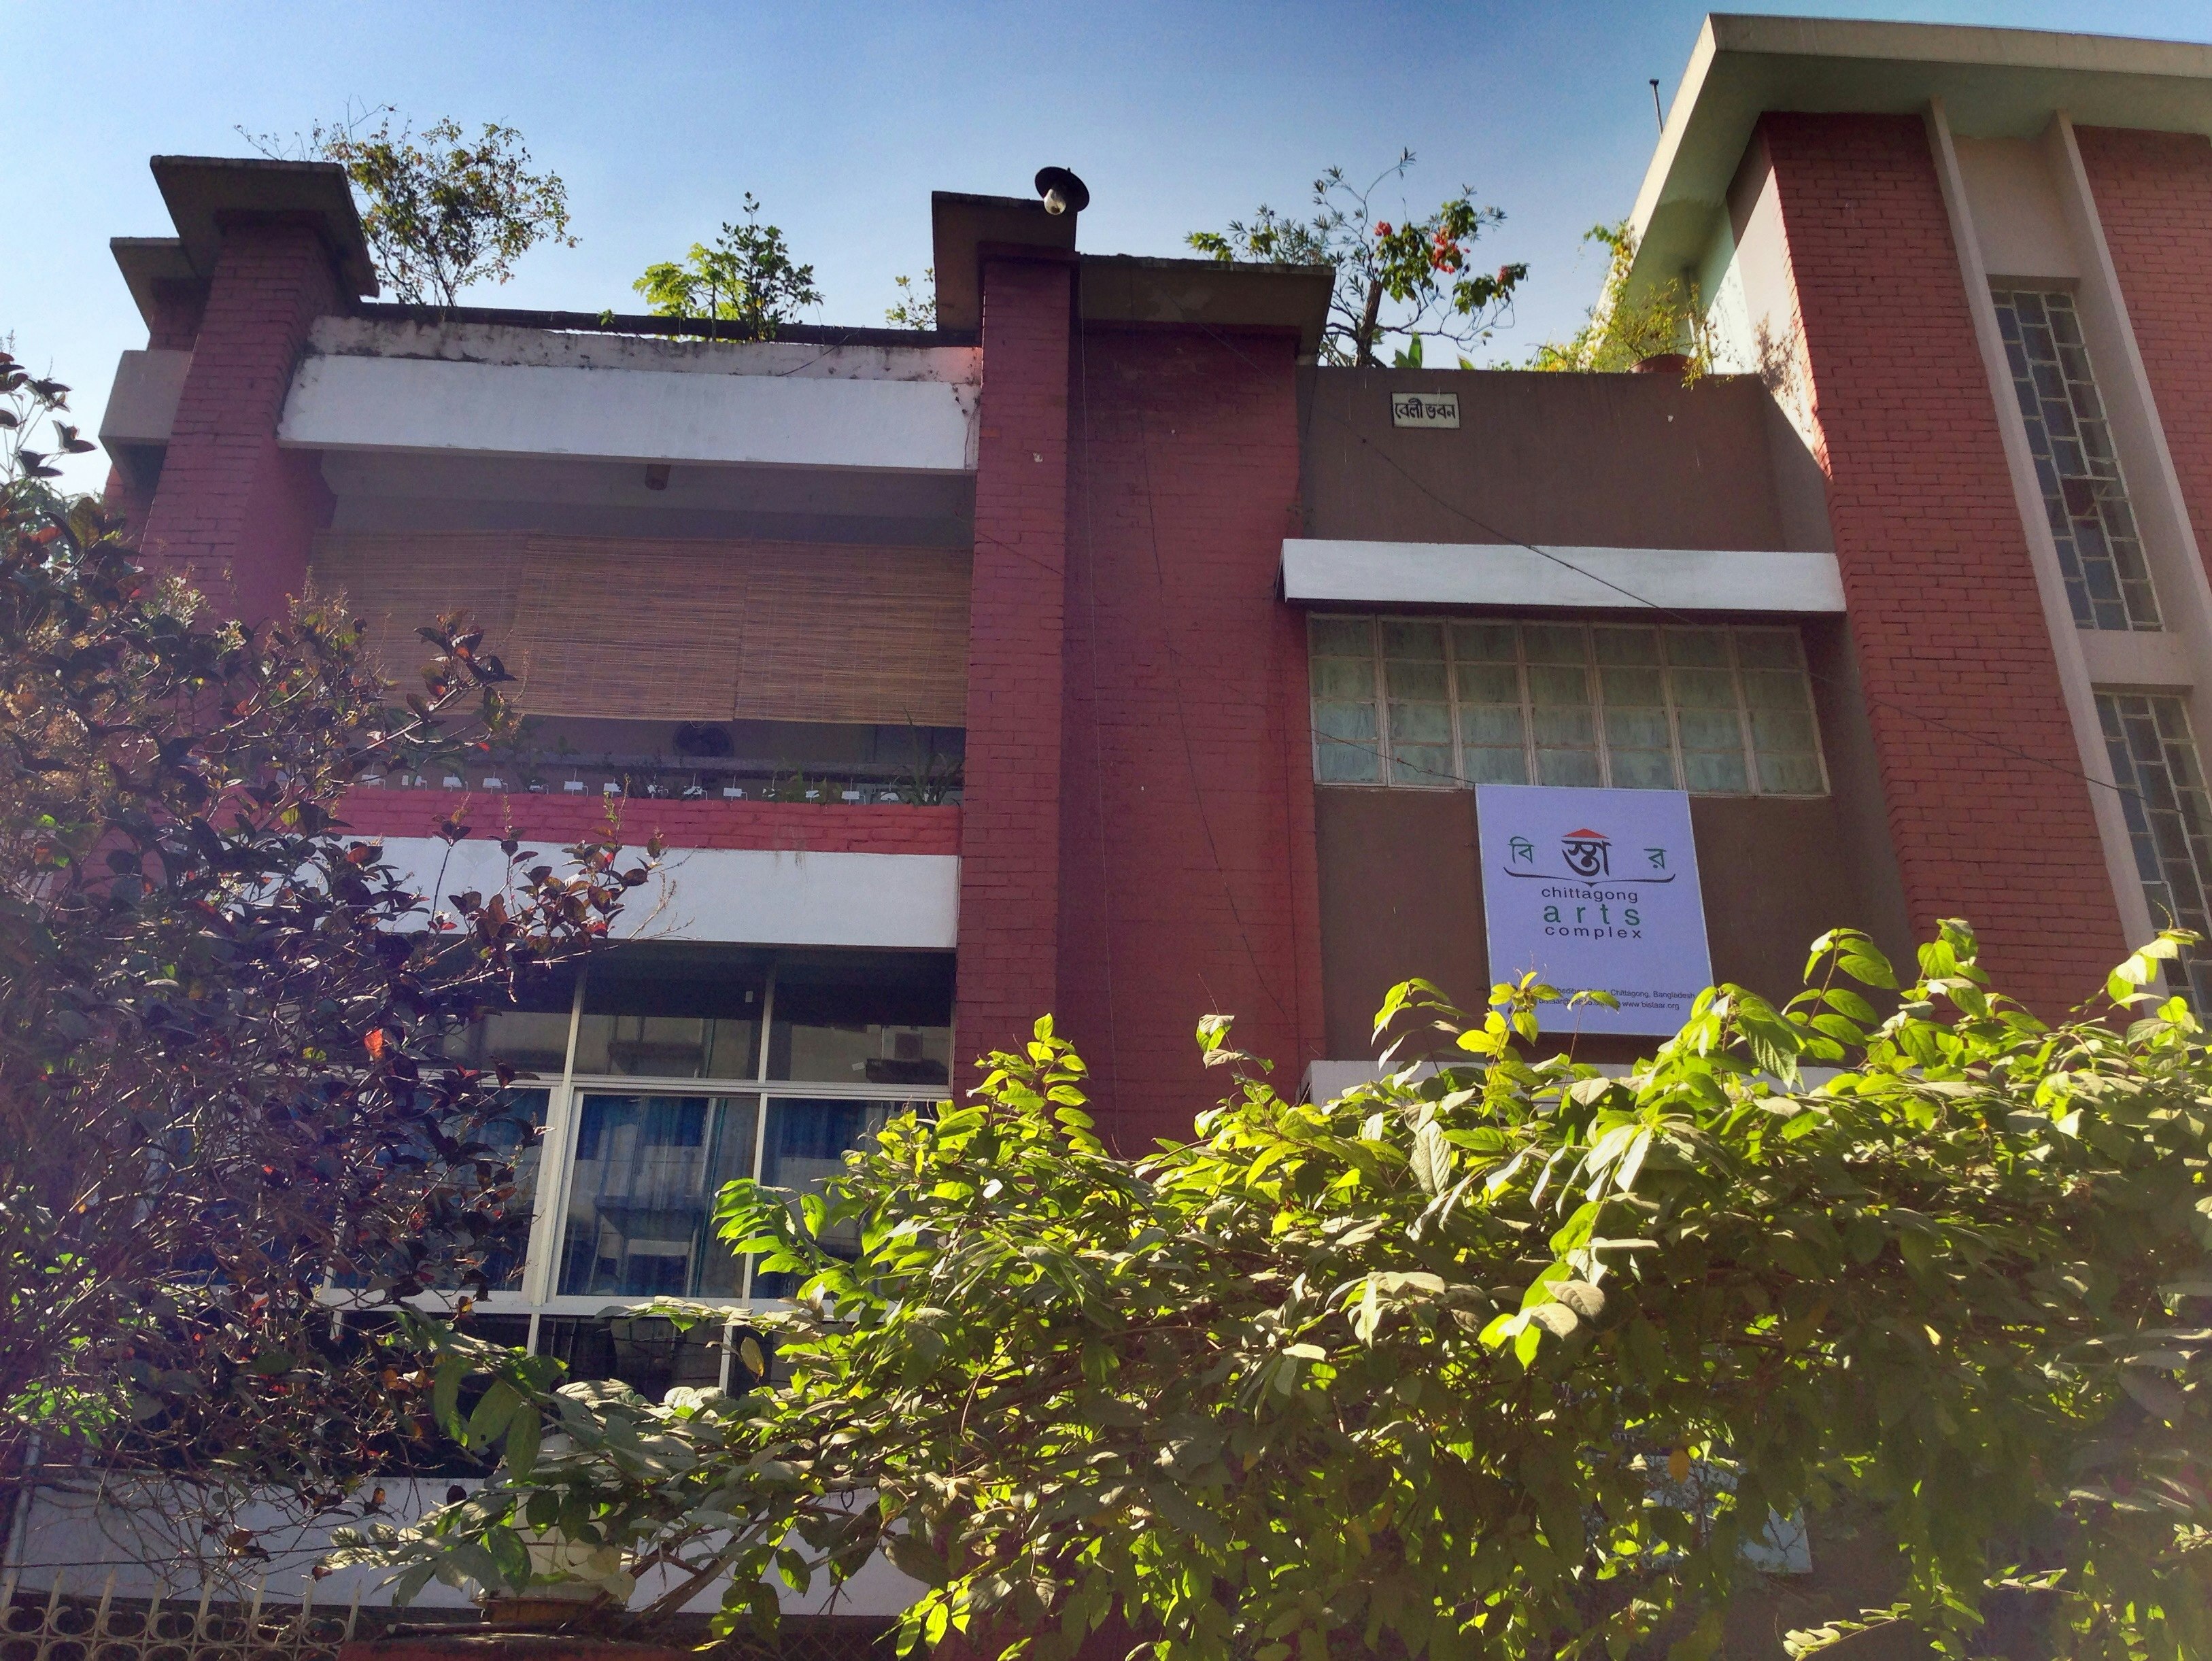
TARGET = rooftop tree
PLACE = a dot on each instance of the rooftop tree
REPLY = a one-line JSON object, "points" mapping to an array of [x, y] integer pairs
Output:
{"points": [[1399, 278], [747, 277], [442, 211], [1622, 331], [223, 1019]]}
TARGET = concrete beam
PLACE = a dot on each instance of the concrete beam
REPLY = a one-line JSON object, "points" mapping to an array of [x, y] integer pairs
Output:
{"points": [[629, 414], [741, 895], [1591, 579]]}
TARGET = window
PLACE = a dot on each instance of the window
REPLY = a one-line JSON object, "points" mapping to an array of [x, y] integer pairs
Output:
{"points": [[2107, 583], [2154, 762], [1429, 701], [676, 1070]]}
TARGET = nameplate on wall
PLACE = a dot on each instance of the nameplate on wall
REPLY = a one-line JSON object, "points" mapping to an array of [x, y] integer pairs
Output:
{"points": [[1424, 410], [1596, 890]]}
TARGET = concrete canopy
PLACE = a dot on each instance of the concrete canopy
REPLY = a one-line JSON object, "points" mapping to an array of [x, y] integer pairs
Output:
{"points": [[1994, 83]]}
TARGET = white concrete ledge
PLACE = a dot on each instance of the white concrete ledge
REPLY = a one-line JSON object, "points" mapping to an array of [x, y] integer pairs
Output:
{"points": [[426, 404], [1318, 573], [141, 405], [741, 895]]}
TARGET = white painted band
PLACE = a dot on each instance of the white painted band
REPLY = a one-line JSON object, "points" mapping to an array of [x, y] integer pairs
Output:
{"points": [[753, 896], [1613, 579]]}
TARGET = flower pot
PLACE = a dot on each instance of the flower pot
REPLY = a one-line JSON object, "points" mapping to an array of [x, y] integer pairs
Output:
{"points": [[1663, 363]]}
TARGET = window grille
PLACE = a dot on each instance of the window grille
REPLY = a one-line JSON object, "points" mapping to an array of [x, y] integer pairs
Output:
{"points": [[1426, 701], [2107, 581], [2169, 817]]}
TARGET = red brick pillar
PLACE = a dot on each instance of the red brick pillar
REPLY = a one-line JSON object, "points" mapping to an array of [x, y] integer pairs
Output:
{"points": [[1010, 819], [233, 515], [2153, 194], [1988, 811]]}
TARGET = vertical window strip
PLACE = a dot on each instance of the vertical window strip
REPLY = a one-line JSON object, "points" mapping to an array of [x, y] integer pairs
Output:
{"points": [[2084, 496], [2169, 818], [1423, 702]]}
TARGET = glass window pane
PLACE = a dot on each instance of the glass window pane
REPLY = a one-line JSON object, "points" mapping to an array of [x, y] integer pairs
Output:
{"points": [[1704, 688], [641, 1187], [1491, 723], [1627, 646], [1422, 764], [1482, 643], [1769, 648], [648, 1354], [1346, 744], [1769, 689], [1642, 769], [1352, 678], [1637, 729], [1785, 773], [1489, 683], [1697, 647], [1420, 723], [1412, 679], [1715, 771], [1567, 766], [888, 1021], [670, 1012], [1342, 637], [530, 1035], [1555, 643], [1401, 639], [1710, 729], [516, 1135], [1488, 765], [2084, 493], [803, 1146], [527, 1039], [1557, 727], [1556, 688], [2155, 761], [1627, 687], [1781, 729]]}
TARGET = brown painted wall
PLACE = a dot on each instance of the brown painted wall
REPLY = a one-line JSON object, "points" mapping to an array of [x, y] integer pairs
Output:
{"points": [[1402, 895], [1593, 461]]}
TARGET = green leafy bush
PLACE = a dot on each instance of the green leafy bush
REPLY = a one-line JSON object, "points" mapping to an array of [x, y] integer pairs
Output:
{"points": [[1502, 1358]]}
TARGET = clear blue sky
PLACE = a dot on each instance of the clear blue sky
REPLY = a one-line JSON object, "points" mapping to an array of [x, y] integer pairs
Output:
{"points": [[842, 118]]}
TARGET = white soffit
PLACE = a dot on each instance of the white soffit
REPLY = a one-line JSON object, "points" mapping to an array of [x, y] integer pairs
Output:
{"points": [[422, 404], [1608, 578], [740, 896], [1994, 82]]}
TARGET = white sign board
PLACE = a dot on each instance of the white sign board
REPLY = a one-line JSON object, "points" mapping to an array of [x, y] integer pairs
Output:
{"points": [[1424, 410], [1595, 890]]}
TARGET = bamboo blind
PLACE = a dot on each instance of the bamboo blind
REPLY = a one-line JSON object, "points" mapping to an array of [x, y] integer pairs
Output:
{"points": [[642, 629]]}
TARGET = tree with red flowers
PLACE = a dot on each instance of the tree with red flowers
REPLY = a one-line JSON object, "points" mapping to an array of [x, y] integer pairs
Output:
{"points": [[1418, 265]]}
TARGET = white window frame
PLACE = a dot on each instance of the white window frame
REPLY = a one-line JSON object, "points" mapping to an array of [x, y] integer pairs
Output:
{"points": [[549, 1197]]}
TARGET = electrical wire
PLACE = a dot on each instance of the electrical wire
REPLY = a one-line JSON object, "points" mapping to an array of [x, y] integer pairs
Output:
{"points": [[1504, 539]]}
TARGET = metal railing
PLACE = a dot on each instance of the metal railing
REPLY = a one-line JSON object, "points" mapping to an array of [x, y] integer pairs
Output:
{"points": [[671, 779], [61, 1627]]}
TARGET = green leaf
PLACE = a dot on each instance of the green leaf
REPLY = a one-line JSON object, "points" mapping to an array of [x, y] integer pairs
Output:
{"points": [[522, 1440], [492, 1415]]}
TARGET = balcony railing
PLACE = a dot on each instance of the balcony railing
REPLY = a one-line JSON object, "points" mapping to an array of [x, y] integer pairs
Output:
{"points": [[930, 783]]}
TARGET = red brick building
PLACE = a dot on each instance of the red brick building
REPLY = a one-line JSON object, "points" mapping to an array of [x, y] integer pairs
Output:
{"points": [[1100, 652]]}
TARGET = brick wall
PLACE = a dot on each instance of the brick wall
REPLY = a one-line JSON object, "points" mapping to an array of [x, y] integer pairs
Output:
{"points": [[1187, 872], [2153, 193], [1942, 599], [560, 820], [233, 514], [1010, 819]]}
